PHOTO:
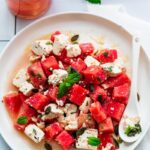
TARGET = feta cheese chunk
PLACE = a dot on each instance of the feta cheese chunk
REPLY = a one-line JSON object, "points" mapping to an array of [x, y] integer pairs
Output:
{"points": [[73, 50], [20, 78], [57, 76], [90, 61], [20, 81], [34, 133], [82, 141], [70, 109], [42, 47], [114, 68], [26, 88], [72, 122], [54, 112], [61, 41], [85, 105]]}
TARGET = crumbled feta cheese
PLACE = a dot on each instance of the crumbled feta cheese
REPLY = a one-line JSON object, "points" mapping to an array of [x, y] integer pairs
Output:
{"points": [[60, 102], [90, 61], [114, 68], [82, 141], [26, 88], [130, 121], [85, 105], [34, 133], [70, 109], [57, 76], [60, 65], [61, 41], [72, 122], [42, 47], [55, 111], [20, 78], [73, 50], [107, 147]]}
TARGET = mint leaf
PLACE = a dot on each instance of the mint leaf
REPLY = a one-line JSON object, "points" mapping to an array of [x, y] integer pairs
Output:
{"points": [[94, 141], [72, 78], [22, 120], [95, 1], [80, 131]]}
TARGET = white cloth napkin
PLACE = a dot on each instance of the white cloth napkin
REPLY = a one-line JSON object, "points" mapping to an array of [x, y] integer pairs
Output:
{"points": [[118, 14]]}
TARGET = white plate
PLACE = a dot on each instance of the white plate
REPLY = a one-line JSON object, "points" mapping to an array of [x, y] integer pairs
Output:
{"points": [[82, 23]]}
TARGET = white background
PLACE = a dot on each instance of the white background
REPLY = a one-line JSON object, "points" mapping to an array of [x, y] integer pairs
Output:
{"points": [[9, 25]]}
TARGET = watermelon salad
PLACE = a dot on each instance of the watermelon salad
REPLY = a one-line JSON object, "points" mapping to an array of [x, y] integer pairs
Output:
{"points": [[70, 93]]}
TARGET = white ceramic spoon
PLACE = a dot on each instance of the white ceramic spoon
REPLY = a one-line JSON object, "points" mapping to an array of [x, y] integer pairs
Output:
{"points": [[132, 109]]}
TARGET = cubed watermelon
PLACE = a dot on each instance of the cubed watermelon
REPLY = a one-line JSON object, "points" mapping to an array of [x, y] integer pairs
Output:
{"points": [[38, 101], [99, 94], [13, 103], [98, 113], [52, 130], [116, 81], [115, 110], [86, 48], [106, 56], [78, 94], [95, 74], [36, 74], [49, 64], [121, 93], [78, 65], [65, 140], [106, 126]]}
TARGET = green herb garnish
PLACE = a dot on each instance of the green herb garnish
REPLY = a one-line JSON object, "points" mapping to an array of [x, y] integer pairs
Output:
{"points": [[94, 141], [100, 98], [105, 54], [95, 1], [47, 146], [73, 77], [22, 120], [133, 130], [80, 131], [48, 43], [74, 38], [48, 110]]}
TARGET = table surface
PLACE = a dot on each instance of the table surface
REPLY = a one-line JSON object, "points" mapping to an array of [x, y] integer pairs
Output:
{"points": [[10, 25]]}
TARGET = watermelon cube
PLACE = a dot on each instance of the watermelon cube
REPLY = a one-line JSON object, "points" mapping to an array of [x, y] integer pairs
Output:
{"points": [[121, 93], [98, 113], [52, 130], [13, 103], [106, 126], [78, 94], [49, 64], [65, 140], [36, 74], [115, 110], [99, 94], [38, 101], [107, 56], [86, 48], [95, 74], [116, 81], [78, 65]]}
